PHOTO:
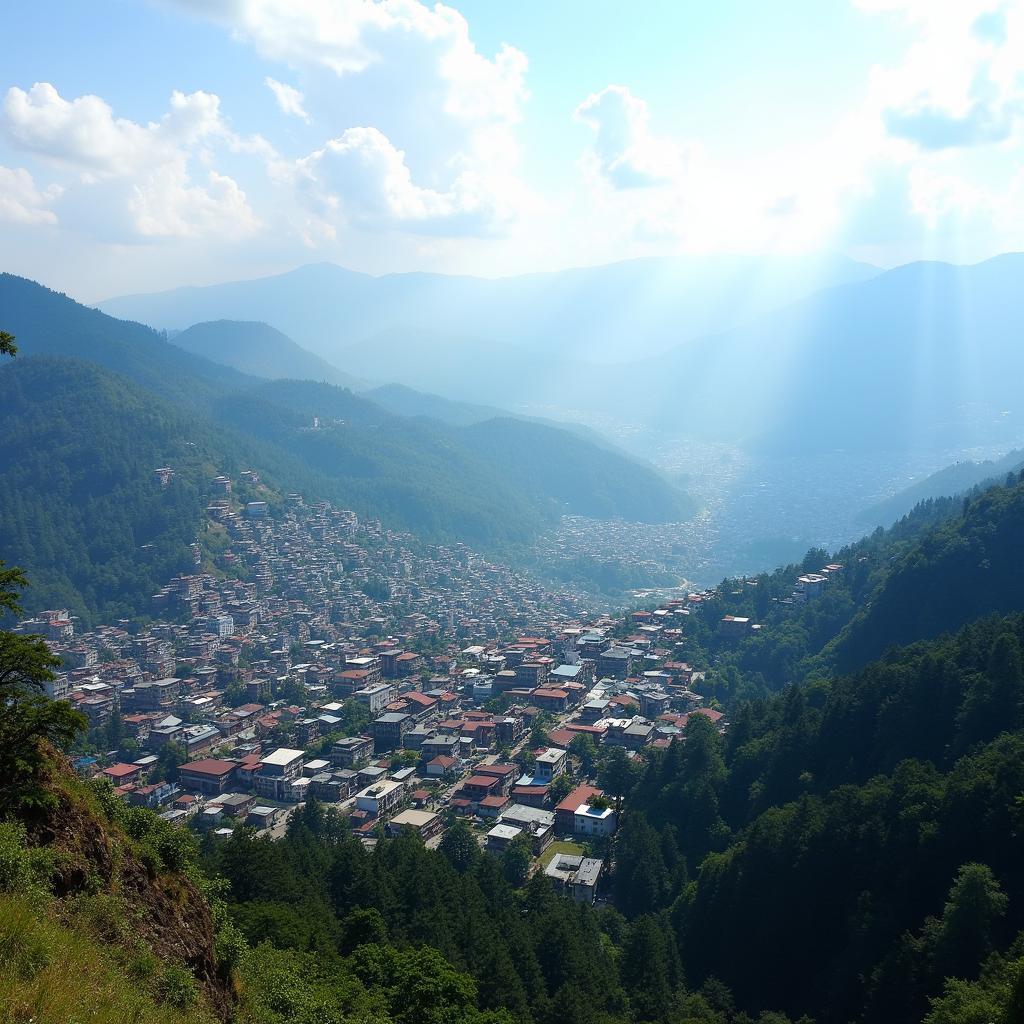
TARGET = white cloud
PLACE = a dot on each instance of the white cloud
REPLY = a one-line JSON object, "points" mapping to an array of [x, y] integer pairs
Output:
{"points": [[144, 169], [444, 113], [960, 82], [166, 205], [21, 202], [625, 152], [84, 133], [349, 36], [361, 179], [289, 99]]}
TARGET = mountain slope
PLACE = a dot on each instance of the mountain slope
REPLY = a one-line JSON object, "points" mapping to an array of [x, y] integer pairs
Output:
{"points": [[952, 480], [922, 357], [572, 471], [48, 323], [441, 481], [962, 569], [81, 507], [925, 356], [405, 401], [258, 349]]}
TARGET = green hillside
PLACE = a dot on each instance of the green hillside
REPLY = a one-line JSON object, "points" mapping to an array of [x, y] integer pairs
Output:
{"points": [[964, 568], [955, 479], [48, 323], [948, 563], [258, 349], [97, 533], [80, 504], [849, 847]]}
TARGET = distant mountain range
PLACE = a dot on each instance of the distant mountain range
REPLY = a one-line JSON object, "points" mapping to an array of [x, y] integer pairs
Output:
{"points": [[927, 356], [600, 314], [783, 356], [493, 483]]}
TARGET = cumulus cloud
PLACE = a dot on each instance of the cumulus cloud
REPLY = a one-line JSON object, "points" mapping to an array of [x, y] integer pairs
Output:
{"points": [[289, 99], [143, 169], [987, 118], [625, 153], [21, 202], [411, 65], [960, 82], [361, 179], [348, 36], [84, 132]]}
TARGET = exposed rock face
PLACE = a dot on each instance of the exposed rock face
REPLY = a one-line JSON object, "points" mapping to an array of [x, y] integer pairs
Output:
{"points": [[168, 913]]}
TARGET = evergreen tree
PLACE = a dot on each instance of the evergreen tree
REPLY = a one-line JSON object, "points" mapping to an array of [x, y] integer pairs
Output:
{"points": [[29, 719]]}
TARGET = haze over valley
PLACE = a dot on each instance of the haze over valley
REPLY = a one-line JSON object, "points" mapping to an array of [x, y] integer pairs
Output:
{"points": [[815, 394]]}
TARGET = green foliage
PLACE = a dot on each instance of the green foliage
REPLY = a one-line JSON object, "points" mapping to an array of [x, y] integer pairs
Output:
{"points": [[493, 485], [516, 861], [829, 827], [30, 720], [24, 869], [561, 787], [432, 935]]}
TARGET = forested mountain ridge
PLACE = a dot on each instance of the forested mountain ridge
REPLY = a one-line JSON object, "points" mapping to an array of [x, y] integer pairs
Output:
{"points": [[823, 857], [258, 349], [947, 563], [80, 505], [48, 323], [435, 479], [853, 847], [961, 569], [952, 480]]}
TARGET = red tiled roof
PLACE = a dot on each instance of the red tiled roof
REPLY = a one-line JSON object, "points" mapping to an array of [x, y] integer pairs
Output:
{"points": [[209, 766], [121, 770], [419, 698], [578, 797], [483, 781]]}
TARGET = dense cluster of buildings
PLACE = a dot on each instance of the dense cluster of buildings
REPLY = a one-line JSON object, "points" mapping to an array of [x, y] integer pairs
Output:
{"points": [[407, 685]]}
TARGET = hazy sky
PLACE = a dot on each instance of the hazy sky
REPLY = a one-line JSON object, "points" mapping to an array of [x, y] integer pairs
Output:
{"points": [[149, 144]]}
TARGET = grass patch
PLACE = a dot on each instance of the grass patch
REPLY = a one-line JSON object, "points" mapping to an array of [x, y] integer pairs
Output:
{"points": [[56, 973], [560, 846]]}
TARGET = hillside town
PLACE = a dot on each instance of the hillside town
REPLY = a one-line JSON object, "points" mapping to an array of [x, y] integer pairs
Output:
{"points": [[409, 686]]}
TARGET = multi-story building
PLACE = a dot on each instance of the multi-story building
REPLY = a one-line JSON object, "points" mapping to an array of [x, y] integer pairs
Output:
{"points": [[278, 770], [380, 799], [376, 697], [389, 729], [209, 776], [351, 751], [549, 765]]}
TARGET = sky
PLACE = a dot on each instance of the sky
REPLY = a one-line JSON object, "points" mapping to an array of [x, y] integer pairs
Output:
{"points": [[147, 144]]}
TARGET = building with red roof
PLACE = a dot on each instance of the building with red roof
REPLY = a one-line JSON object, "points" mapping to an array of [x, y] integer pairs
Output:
{"points": [[210, 776]]}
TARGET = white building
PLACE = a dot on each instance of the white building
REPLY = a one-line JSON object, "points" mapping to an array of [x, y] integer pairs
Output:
{"points": [[277, 772], [380, 799], [594, 821], [549, 765], [375, 697]]}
